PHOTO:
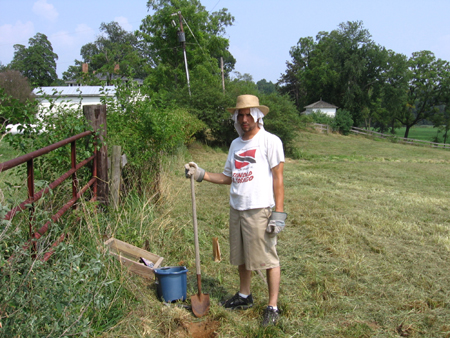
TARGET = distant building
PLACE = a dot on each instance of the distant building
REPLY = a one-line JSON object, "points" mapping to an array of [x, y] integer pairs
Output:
{"points": [[322, 106], [73, 95]]}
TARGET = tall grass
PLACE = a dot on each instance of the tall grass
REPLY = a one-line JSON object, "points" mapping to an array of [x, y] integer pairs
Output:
{"points": [[365, 253]]}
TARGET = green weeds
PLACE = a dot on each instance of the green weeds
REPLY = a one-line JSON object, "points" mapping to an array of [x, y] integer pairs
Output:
{"points": [[365, 252]]}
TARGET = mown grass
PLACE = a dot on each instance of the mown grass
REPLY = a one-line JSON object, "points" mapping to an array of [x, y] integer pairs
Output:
{"points": [[424, 132], [365, 253]]}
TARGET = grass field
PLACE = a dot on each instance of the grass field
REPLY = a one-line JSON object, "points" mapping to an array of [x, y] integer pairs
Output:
{"points": [[426, 133], [365, 252]]}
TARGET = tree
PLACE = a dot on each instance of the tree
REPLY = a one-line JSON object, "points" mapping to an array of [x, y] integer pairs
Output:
{"points": [[428, 86], [343, 67], [266, 87], [205, 44], [17, 102], [37, 62], [115, 52], [393, 93]]}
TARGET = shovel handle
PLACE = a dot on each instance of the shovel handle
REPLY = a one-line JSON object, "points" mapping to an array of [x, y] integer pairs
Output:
{"points": [[194, 219]]}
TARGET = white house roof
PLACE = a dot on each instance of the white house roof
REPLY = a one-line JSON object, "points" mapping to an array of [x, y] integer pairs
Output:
{"points": [[84, 91], [320, 104]]}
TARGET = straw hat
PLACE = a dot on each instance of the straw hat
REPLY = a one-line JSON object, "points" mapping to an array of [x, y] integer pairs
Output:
{"points": [[248, 101]]}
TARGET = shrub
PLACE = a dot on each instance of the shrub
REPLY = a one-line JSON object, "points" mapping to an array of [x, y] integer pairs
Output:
{"points": [[321, 117], [282, 119], [343, 121], [17, 102], [76, 292], [146, 131]]}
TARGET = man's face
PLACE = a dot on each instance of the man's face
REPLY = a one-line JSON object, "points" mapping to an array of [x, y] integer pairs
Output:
{"points": [[245, 120]]}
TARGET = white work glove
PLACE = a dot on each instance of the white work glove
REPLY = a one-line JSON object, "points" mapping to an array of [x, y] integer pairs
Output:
{"points": [[276, 222], [192, 169]]}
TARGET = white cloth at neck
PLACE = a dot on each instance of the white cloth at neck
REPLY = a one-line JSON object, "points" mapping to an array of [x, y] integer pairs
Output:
{"points": [[255, 113]]}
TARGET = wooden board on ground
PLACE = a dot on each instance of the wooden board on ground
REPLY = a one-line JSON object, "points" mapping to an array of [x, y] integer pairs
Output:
{"points": [[129, 255]]}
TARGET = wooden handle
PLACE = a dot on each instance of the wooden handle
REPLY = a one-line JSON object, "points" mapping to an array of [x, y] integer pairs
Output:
{"points": [[194, 219]]}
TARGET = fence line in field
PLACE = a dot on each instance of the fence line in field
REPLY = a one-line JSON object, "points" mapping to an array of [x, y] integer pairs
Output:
{"points": [[326, 128]]}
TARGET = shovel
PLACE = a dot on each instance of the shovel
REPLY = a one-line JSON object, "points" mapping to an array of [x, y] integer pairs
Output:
{"points": [[200, 301]]}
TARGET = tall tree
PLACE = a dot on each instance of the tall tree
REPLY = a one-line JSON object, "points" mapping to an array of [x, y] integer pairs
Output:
{"points": [[37, 62], [205, 43], [114, 52], [394, 92], [342, 67], [266, 87], [427, 88]]}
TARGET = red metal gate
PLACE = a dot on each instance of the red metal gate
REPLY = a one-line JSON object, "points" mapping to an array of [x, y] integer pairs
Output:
{"points": [[33, 197]]}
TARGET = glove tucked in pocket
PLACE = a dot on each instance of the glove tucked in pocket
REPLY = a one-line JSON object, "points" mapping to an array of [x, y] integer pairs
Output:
{"points": [[276, 222]]}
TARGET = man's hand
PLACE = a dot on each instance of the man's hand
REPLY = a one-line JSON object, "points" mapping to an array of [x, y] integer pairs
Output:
{"points": [[192, 169], [276, 222]]}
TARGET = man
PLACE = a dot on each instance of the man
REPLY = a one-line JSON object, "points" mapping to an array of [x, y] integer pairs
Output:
{"points": [[254, 169]]}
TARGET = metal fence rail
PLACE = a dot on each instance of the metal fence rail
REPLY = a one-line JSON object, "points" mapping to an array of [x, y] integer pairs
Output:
{"points": [[33, 197]]}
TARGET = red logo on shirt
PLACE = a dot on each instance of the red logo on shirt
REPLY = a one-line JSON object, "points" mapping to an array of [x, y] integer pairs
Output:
{"points": [[244, 159]]}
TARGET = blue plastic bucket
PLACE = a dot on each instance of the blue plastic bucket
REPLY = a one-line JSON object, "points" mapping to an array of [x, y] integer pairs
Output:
{"points": [[171, 283]]}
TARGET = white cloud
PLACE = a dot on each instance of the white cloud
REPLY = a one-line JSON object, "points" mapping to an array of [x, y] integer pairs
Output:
{"points": [[19, 33], [45, 10], [123, 22], [82, 35]]}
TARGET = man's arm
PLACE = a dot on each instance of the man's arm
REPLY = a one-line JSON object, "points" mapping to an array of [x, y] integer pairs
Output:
{"points": [[278, 186], [218, 178]]}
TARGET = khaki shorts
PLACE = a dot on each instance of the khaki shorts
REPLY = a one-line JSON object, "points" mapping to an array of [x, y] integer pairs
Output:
{"points": [[250, 244]]}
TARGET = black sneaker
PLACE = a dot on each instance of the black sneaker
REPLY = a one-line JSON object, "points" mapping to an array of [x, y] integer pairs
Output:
{"points": [[238, 302], [270, 316]]}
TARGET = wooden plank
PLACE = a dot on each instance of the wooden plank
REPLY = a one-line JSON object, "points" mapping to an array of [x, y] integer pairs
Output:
{"points": [[139, 269], [96, 116], [129, 256]]}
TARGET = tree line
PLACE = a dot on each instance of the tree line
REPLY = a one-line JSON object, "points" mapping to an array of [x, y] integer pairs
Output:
{"points": [[379, 88]]}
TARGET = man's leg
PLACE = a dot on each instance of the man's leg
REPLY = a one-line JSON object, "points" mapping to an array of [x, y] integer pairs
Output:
{"points": [[245, 278], [273, 280]]}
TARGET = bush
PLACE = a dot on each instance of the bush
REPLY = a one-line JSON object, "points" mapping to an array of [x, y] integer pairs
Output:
{"points": [[75, 293], [343, 121], [17, 102], [146, 131], [321, 117], [282, 119], [54, 123]]}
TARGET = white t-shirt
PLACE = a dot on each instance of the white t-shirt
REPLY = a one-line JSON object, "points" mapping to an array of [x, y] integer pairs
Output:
{"points": [[249, 165]]}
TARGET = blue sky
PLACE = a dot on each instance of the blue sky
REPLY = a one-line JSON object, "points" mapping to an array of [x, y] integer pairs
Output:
{"points": [[262, 35]]}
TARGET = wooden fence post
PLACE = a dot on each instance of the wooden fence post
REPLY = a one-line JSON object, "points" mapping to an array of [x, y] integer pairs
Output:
{"points": [[116, 158], [96, 115]]}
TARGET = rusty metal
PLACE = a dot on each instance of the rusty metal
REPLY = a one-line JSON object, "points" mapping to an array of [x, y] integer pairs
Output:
{"points": [[94, 169], [25, 158], [73, 158], [32, 197], [30, 184], [48, 254], [62, 211], [51, 186]]}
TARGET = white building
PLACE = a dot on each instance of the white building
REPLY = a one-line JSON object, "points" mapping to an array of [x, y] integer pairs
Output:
{"points": [[322, 106], [73, 95], [70, 97]]}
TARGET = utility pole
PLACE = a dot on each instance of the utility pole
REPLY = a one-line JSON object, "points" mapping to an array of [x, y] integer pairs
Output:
{"points": [[223, 75], [182, 39]]}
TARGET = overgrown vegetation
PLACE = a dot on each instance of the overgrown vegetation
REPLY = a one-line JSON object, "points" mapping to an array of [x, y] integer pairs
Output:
{"points": [[364, 254]]}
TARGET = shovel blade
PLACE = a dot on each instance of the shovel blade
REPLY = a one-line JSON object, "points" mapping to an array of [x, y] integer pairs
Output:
{"points": [[200, 304]]}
